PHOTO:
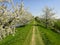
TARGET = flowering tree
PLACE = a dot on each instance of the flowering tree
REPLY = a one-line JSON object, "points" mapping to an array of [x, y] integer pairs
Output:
{"points": [[48, 16], [9, 20]]}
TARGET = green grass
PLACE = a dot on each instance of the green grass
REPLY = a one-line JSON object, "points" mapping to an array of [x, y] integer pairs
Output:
{"points": [[36, 37], [49, 37], [20, 36]]}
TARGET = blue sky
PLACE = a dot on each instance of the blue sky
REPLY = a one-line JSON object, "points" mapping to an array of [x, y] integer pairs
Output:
{"points": [[36, 6]]}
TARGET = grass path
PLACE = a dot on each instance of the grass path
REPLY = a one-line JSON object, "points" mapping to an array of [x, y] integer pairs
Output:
{"points": [[33, 37], [39, 38], [36, 37]]}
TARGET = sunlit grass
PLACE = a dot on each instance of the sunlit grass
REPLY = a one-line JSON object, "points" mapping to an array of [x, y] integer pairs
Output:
{"points": [[19, 38], [49, 37]]}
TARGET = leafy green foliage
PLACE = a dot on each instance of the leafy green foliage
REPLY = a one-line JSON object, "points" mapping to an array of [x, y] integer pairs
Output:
{"points": [[57, 25]]}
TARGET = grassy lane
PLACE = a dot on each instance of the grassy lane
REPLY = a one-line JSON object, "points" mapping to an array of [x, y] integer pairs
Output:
{"points": [[32, 42], [39, 40], [36, 37], [20, 36], [33, 36]]}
